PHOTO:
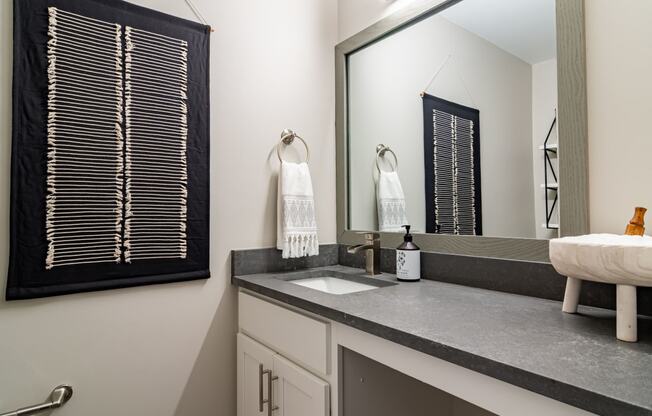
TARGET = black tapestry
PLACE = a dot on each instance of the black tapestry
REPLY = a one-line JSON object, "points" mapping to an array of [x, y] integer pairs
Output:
{"points": [[452, 167], [110, 148]]}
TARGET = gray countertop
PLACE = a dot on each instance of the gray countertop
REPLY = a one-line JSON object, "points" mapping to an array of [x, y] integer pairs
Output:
{"points": [[522, 340]]}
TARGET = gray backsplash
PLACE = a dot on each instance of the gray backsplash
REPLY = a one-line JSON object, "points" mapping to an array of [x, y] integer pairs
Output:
{"points": [[519, 277], [511, 276], [269, 260]]}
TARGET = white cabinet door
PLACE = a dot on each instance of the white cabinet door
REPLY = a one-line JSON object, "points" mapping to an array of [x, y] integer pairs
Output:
{"points": [[297, 392], [251, 355]]}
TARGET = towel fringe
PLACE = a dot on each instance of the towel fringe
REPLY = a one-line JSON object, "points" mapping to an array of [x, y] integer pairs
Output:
{"points": [[300, 245]]}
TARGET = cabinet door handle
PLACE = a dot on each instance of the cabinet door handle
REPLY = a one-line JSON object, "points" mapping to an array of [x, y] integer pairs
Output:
{"points": [[270, 397], [261, 400]]}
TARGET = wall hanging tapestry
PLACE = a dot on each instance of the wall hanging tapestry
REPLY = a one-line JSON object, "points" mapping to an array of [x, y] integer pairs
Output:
{"points": [[110, 148], [452, 167]]}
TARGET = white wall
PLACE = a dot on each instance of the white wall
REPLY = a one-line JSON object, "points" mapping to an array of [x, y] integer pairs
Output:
{"points": [[170, 349], [385, 80], [544, 103], [355, 15], [619, 64]]}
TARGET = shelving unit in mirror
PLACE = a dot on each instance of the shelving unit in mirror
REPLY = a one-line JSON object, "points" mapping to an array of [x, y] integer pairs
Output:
{"points": [[551, 188]]}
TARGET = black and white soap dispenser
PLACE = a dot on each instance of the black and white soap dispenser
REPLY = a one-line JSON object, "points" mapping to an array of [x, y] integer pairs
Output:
{"points": [[408, 259]]}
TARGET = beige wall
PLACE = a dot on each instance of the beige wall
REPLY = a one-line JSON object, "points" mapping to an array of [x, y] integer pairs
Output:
{"points": [[170, 349], [619, 64], [385, 80], [355, 15]]}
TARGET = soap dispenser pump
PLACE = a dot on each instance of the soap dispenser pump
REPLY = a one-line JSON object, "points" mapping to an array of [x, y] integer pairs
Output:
{"points": [[408, 259]]}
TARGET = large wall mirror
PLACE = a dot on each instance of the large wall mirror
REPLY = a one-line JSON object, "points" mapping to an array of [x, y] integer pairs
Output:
{"points": [[467, 120]]}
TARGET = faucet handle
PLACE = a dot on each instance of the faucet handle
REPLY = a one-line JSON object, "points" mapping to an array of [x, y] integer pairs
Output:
{"points": [[370, 235]]}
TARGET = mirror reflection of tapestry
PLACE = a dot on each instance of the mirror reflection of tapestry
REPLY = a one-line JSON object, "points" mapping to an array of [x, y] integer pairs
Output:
{"points": [[479, 59], [452, 167]]}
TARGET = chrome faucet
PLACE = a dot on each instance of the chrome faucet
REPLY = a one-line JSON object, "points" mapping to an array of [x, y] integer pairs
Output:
{"points": [[372, 252]]}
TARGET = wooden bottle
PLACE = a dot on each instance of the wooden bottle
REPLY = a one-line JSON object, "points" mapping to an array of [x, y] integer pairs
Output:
{"points": [[636, 225]]}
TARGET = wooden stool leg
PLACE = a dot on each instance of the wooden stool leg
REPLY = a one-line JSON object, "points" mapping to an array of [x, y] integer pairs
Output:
{"points": [[572, 295], [626, 329]]}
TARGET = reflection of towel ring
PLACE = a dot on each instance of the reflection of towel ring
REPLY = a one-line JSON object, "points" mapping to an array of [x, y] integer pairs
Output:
{"points": [[381, 149], [287, 137]]}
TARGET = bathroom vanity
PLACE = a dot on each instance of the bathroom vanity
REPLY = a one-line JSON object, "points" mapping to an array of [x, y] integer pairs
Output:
{"points": [[482, 105], [497, 352]]}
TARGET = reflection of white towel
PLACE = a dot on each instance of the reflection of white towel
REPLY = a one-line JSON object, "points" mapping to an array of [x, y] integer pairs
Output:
{"points": [[296, 224], [391, 202]]}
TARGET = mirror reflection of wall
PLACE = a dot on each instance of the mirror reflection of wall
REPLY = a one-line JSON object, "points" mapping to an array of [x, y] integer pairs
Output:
{"points": [[495, 57]]}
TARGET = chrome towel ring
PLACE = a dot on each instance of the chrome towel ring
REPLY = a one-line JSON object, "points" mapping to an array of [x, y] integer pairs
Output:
{"points": [[381, 150], [287, 138]]}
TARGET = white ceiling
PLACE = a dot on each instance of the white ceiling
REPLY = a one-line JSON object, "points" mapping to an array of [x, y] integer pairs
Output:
{"points": [[524, 28]]}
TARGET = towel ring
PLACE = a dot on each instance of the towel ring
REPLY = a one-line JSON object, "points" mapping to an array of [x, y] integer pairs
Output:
{"points": [[381, 149], [287, 138]]}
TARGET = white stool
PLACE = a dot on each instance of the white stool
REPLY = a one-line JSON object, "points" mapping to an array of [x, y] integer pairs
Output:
{"points": [[623, 260]]}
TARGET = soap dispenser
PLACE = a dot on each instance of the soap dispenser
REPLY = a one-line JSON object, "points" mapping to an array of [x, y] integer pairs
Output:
{"points": [[408, 259]]}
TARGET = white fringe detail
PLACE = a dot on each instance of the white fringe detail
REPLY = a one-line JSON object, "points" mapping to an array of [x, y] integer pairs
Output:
{"points": [[301, 245], [91, 155], [156, 126], [460, 198], [51, 189], [84, 198], [128, 214]]}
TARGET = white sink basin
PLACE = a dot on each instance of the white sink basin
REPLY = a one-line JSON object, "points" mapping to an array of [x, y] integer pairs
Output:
{"points": [[623, 260], [333, 285]]}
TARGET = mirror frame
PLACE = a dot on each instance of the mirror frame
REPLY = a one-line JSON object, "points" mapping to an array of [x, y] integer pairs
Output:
{"points": [[572, 130]]}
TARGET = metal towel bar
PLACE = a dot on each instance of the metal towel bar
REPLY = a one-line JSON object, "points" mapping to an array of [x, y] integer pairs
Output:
{"points": [[59, 396]]}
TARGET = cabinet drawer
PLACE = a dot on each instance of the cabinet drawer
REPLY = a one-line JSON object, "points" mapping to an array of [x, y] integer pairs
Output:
{"points": [[302, 339]]}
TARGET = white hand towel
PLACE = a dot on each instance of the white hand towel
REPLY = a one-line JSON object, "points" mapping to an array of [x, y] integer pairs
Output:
{"points": [[391, 202], [296, 223]]}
